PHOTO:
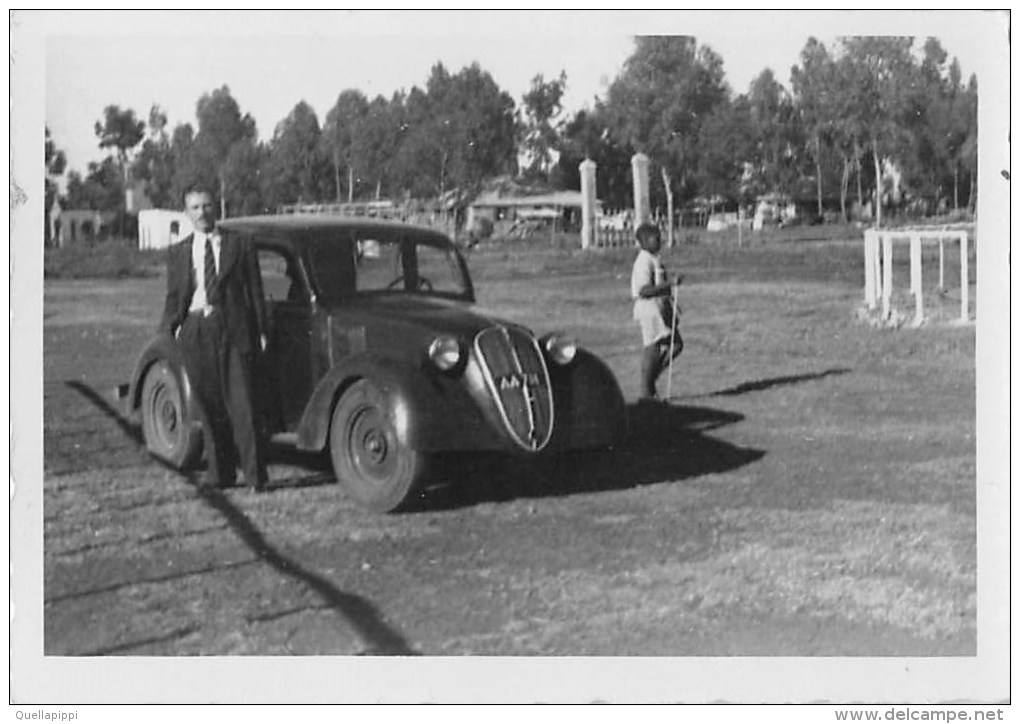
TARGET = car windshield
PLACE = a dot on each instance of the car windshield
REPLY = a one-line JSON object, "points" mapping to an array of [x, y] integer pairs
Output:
{"points": [[384, 262]]}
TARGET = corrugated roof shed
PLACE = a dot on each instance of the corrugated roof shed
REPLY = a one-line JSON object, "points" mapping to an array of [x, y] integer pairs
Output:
{"points": [[561, 199]]}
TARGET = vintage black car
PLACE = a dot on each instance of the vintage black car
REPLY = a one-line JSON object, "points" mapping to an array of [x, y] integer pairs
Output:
{"points": [[377, 354]]}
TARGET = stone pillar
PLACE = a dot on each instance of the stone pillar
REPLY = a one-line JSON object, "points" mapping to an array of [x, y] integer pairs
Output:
{"points": [[642, 205], [588, 203]]}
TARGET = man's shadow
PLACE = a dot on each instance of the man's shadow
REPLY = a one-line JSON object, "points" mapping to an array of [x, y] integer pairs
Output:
{"points": [[665, 443]]}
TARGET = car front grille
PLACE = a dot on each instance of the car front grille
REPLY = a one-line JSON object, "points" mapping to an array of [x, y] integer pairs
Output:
{"points": [[519, 382]]}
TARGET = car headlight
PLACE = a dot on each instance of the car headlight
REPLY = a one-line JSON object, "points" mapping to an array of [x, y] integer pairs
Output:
{"points": [[445, 352], [560, 348]]}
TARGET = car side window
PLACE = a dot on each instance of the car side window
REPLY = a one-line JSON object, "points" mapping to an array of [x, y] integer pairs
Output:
{"points": [[281, 280], [438, 270], [379, 265]]}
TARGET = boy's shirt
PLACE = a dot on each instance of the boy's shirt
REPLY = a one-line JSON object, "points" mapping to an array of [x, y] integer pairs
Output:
{"points": [[650, 312], [647, 270]]}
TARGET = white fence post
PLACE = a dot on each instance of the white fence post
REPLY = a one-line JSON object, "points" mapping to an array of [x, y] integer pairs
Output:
{"points": [[964, 278], [887, 265], [878, 268], [915, 277], [869, 282], [871, 268], [942, 263]]}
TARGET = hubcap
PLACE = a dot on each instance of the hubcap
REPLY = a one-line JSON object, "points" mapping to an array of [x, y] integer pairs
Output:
{"points": [[370, 446], [166, 416], [169, 415], [375, 445]]}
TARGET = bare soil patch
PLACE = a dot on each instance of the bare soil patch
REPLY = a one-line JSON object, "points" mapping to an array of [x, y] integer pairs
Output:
{"points": [[809, 491]]}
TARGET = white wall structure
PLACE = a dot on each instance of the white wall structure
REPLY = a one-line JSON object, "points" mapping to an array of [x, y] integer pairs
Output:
{"points": [[159, 228], [589, 206], [642, 204], [77, 226]]}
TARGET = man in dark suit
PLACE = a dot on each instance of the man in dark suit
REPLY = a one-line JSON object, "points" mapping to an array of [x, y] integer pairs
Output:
{"points": [[213, 309]]}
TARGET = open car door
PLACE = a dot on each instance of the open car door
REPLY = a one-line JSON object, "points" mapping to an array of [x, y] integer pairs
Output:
{"points": [[285, 372]]}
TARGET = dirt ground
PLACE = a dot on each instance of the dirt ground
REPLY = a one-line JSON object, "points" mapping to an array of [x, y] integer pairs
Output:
{"points": [[810, 491]]}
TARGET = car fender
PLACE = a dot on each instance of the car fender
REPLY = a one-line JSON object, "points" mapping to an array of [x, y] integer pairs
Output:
{"points": [[161, 347], [430, 410], [590, 408]]}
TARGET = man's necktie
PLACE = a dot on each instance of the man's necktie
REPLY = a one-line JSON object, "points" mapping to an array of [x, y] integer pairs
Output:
{"points": [[210, 271]]}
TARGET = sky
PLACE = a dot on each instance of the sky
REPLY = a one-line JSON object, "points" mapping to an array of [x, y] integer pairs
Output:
{"points": [[273, 60]]}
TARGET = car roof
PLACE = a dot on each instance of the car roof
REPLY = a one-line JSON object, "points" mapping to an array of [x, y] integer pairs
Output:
{"points": [[285, 224]]}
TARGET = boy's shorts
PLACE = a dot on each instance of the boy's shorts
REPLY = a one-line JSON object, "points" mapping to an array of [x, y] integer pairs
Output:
{"points": [[653, 327]]}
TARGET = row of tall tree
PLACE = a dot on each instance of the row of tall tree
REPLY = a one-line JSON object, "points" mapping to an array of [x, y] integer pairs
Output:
{"points": [[449, 136], [856, 114], [869, 110]]}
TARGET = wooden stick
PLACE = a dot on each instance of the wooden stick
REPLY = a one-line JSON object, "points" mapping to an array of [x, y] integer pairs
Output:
{"points": [[672, 342]]}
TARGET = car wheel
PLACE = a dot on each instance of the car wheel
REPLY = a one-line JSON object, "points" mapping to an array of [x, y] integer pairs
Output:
{"points": [[370, 461], [169, 434]]}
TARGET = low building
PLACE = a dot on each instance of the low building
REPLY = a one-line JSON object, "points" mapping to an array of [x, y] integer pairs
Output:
{"points": [[77, 226], [560, 209], [773, 209], [159, 228]]}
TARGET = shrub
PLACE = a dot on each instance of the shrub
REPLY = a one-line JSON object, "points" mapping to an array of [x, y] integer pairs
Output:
{"points": [[111, 259]]}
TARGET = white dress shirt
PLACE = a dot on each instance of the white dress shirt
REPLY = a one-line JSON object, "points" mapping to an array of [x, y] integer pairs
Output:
{"points": [[198, 302]]}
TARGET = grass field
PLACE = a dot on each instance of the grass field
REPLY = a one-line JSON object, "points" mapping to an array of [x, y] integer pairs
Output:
{"points": [[809, 491]]}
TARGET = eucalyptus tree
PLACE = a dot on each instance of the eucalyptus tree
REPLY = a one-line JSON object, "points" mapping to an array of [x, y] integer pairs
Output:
{"points": [[966, 155], [221, 127], [378, 138], [727, 144], [542, 125], [460, 129], [658, 104], [586, 135], [295, 167], [877, 83], [341, 135], [122, 131], [776, 130], [154, 164], [814, 93]]}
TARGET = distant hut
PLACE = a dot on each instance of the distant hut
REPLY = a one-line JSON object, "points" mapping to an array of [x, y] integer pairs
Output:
{"points": [[159, 228]]}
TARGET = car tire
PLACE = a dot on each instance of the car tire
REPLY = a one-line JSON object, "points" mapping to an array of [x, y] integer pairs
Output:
{"points": [[371, 463], [169, 434]]}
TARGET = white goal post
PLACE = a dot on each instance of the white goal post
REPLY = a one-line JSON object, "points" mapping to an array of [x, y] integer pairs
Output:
{"points": [[878, 256]]}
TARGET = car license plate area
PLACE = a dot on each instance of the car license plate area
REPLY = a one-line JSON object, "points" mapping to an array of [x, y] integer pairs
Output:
{"points": [[519, 383]]}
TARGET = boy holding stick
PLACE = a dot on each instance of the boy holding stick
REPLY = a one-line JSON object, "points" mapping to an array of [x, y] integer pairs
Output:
{"points": [[655, 294]]}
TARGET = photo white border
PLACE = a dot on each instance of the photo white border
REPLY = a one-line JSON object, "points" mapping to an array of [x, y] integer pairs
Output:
{"points": [[38, 679]]}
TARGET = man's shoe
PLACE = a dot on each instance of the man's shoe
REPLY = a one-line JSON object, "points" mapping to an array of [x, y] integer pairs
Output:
{"points": [[209, 483], [258, 485]]}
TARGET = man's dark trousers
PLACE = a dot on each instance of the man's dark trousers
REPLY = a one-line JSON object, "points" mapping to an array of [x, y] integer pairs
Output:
{"points": [[222, 383]]}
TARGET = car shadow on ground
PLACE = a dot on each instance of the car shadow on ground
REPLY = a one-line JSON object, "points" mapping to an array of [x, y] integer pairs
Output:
{"points": [[361, 614], [665, 443]]}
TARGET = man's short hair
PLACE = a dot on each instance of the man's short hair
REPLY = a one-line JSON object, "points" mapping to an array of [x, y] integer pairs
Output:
{"points": [[646, 231], [196, 187]]}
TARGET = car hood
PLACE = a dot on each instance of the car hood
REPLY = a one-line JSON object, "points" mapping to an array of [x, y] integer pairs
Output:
{"points": [[431, 314]]}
